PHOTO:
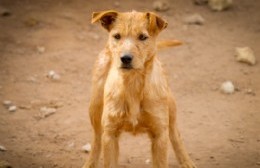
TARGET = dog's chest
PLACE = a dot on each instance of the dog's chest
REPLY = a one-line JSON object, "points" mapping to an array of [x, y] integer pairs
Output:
{"points": [[123, 96]]}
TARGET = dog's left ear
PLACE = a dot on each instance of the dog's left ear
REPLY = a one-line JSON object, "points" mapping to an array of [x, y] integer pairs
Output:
{"points": [[155, 23], [106, 18]]}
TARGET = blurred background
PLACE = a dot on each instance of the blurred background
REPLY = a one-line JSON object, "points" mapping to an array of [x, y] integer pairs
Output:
{"points": [[48, 48]]}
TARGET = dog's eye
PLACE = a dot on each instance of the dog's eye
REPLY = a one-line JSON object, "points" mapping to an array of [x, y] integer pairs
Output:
{"points": [[142, 37], [117, 36]]}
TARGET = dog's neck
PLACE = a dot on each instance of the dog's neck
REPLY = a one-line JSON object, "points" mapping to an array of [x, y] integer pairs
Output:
{"points": [[125, 88]]}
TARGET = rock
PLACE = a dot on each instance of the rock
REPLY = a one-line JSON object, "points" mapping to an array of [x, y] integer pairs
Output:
{"points": [[227, 87], [87, 147], [31, 22], [7, 103], [245, 55], [53, 75], [200, 2], [5, 164], [71, 145], [147, 161], [40, 49], [219, 5], [2, 148], [25, 107], [12, 108], [250, 92], [94, 36], [4, 12], [194, 19], [161, 6], [47, 111], [116, 4]]}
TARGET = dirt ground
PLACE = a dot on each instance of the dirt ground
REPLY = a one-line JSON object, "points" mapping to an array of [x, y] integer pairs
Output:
{"points": [[219, 130]]}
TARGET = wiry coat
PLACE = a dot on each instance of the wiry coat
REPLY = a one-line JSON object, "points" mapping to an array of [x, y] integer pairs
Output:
{"points": [[136, 100]]}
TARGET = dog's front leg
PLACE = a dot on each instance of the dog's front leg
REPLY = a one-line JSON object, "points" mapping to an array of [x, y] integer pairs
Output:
{"points": [[110, 148], [159, 149]]}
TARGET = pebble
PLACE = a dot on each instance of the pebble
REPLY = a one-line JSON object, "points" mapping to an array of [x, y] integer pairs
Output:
{"points": [[245, 55], [196, 19], [227, 87], [71, 145], [5, 164], [7, 103], [47, 111], [40, 49], [31, 22], [4, 12], [87, 147], [250, 92], [200, 2], [116, 4], [147, 161], [161, 6], [26, 107], [2, 148], [12, 108], [53, 75], [220, 5]]}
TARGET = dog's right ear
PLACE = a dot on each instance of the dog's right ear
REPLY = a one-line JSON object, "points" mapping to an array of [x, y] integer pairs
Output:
{"points": [[106, 18]]}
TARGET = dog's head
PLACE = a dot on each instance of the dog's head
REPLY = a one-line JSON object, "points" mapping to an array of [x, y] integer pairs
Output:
{"points": [[132, 36]]}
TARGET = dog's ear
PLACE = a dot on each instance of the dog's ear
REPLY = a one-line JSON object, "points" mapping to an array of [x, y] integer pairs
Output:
{"points": [[106, 18], [155, 23]]}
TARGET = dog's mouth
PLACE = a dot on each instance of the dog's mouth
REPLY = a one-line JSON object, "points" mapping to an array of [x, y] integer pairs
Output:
{"points": [[126, 66]]}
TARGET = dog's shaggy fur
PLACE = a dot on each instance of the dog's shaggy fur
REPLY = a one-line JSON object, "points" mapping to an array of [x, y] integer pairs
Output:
{"points": [[133, 97]]}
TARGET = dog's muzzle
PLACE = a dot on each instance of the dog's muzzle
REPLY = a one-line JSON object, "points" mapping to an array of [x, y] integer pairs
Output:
{"points": [[126, 61]]}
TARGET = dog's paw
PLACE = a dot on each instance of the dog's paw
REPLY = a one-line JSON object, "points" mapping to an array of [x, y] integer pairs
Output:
{"points": [[188, 165]]}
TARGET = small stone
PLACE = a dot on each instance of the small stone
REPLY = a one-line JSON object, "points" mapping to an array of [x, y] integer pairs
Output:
{"points": [[200, 2], [212, 157], [116, 4], [12, 108], [194, 19], [5, 164], [7, 103], [25, 107], [258, 163], [147, 161], [245, 55], [4, 12], [31, 22], [47, 111], [53, 75], [220, 5], [161, 6], [227, 87], [250, 92], [40, 49], [71, 145], [87, 147], [2, 148]]}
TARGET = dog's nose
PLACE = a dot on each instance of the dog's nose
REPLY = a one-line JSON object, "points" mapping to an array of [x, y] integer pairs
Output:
{"points": [[126, 59]]}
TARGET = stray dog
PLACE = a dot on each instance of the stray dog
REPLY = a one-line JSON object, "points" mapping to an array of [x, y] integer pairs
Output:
{"points": [[131, 92]]}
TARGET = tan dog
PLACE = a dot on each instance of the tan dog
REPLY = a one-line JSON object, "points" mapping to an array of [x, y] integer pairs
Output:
{"points": [[130, 90]]}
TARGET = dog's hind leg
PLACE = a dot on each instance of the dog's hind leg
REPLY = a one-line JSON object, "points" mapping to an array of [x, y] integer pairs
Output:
{"points": [[179, 149]]}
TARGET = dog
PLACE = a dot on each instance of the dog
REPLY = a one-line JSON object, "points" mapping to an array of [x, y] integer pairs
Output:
{"points": [[130, 91]]}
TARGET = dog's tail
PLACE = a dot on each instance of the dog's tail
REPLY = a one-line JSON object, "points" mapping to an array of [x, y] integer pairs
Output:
{"points": [[168, 43]]}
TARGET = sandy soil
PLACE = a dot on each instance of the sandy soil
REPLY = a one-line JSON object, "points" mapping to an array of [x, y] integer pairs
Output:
{"points": [[219, 130]]}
